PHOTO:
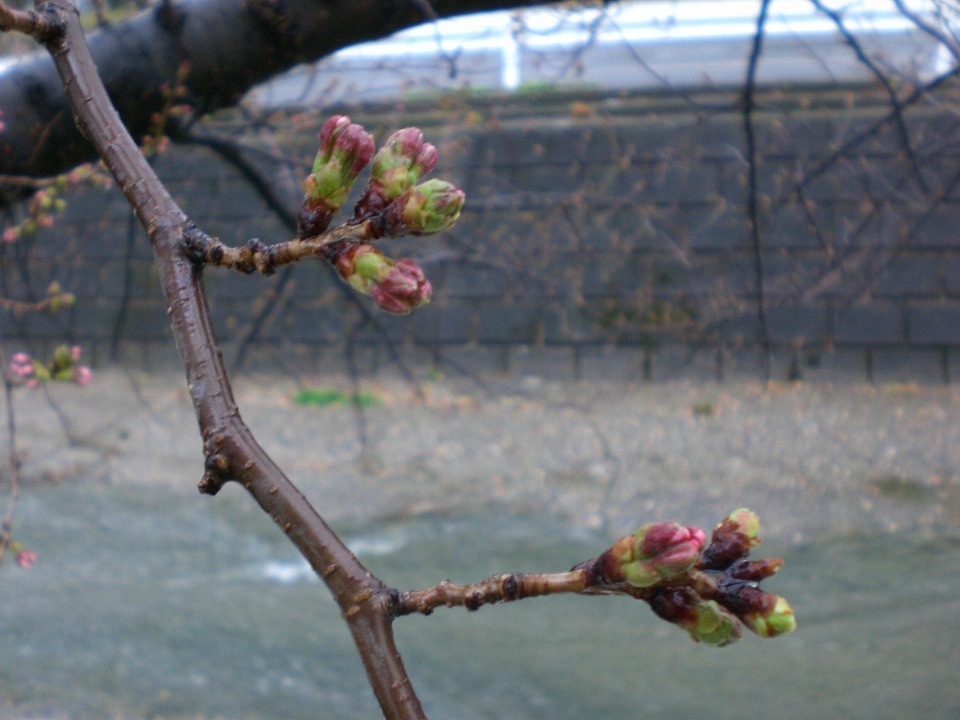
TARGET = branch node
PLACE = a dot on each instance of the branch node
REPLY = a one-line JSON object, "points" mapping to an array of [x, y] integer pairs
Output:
{"points": [[216, 474]]}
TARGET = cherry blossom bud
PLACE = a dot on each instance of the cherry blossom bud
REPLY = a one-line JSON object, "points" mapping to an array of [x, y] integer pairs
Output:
{"points": [[431, 207], [714, 625], [755, 570], [82, 375], [402, 288], [396, 286], [732, 540], [21, 365], [774, 619], [654, 553], [345, 150], [25, 558], [397, 166], [704, 620]]}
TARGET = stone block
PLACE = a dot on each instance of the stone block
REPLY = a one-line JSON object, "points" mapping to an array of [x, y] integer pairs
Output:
{"points": [[875, 324], [797, 324], [934, 323], [911, 275]]}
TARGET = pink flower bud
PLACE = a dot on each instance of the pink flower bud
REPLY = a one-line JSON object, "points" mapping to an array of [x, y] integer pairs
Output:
{"points": [[82, 375], [345, 150], [397, 166], [654, 553], [402, 288], [21, 365], [395, 286], [26, 558]]}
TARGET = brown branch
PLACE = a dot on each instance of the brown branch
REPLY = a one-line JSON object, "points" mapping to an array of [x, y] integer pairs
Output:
{"points": [[895, 104], [138, 55], [496, 588], [13, 457], [948, 40], [753, 206], [42, 24], [255, 256], [232, 452]]}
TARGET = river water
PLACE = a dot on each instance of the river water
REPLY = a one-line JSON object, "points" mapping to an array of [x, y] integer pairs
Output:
{"points": [[148, 604]]}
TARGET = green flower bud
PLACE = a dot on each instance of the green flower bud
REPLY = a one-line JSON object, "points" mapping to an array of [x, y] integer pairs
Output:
{"points": [[431, 207], [775, 621], [396, 286], [713, 625], [747, 523], [345, 149], [397, 167]]}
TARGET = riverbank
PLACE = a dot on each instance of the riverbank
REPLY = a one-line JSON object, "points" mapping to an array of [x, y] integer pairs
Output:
{"points": [[843, 458]]}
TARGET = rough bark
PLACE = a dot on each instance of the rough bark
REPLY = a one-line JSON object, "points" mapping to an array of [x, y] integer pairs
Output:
{"points": [[231, 45]]}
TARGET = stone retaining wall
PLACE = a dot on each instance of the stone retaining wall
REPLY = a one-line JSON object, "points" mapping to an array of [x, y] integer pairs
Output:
{"points": [[602, 237]]}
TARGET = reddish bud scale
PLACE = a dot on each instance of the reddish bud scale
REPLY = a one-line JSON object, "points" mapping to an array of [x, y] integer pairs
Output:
{"points": [[755, 570], [674, 604], [732, 540], [741, 599], [312, 220]]}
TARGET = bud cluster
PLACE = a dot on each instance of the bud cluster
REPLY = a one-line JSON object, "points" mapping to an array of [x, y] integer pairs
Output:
{"points": [[46, 203], [709, 590], [393, 203], [63, 366]]}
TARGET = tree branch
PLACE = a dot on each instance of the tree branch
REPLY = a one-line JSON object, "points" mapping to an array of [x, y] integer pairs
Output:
{"points": [[140, 55], [232, 452], [753, 207]]}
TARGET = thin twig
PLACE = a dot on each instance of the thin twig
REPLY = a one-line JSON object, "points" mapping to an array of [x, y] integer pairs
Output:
{"points": [[13, 457], [496, 588], [895, 104], [753, 206]]}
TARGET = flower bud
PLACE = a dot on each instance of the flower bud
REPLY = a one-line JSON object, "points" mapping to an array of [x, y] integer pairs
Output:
{"points": [[714, 625], [704, 620], [21, 365], [26, 558], [402, 288], [755, 570], [747, 523], [82, 375], [431, 207], [732, 540], [345, 150], [397, 166], [775, 620], [655, 552], [395, 286]]}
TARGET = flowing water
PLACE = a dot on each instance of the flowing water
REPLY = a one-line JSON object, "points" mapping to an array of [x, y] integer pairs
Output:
{"points": [[149, 604]]}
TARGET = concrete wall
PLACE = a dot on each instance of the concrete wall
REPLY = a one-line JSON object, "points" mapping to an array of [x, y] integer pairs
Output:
{"points": [[603, 237]]}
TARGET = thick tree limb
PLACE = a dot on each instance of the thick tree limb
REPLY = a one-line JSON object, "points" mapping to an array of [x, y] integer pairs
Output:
{"points": [[231, 45], [232, 452]]}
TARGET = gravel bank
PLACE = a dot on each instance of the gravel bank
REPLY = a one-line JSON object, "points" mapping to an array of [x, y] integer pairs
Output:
{"points": [[807, 457]]}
